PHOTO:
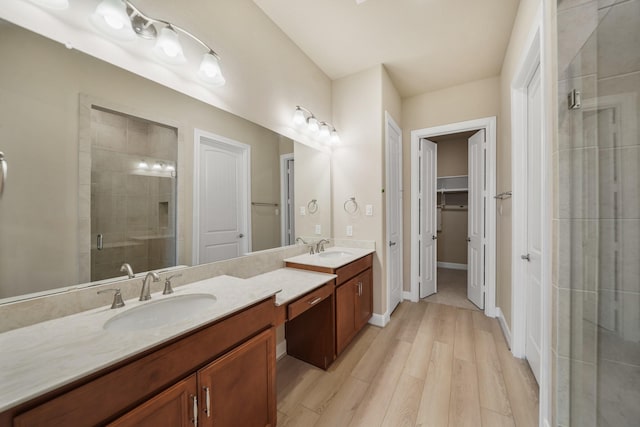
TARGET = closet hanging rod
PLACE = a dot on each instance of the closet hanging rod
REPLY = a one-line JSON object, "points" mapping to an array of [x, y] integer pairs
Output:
{"points": [[264, 204], [503, 195]]}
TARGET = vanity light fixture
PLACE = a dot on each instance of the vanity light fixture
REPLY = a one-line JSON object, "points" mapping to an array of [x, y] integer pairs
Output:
{"points": [[122, 20], [143, 164], [324, 132], [157, 166]]}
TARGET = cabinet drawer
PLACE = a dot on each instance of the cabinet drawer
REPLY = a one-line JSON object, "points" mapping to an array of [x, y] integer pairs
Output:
{"points": [[348, 271], [309, 300]]}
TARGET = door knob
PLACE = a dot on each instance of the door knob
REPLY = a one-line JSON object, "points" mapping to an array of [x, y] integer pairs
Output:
{"points": [[527, 257], [392, 243], [434, 237], [468, 239], [241, 235]]}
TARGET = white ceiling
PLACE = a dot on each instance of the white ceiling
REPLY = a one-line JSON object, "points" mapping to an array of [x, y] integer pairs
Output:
{"points": [[424, 44]]}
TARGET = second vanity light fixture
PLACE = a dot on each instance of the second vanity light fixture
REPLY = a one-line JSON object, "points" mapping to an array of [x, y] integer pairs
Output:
{"points": [[305, 121], [121, 20]]}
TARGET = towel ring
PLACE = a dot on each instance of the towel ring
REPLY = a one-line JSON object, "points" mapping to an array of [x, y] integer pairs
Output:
{"points": [[313, 206], [350, 205]]}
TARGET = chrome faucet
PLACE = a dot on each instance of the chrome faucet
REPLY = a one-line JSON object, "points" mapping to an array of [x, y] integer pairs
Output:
{"points": [[145, 293], [127, 268], [320, 245], [300, 239]]}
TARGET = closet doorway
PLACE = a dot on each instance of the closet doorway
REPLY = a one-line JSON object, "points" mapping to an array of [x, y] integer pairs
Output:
{"points": [[453, 219]]}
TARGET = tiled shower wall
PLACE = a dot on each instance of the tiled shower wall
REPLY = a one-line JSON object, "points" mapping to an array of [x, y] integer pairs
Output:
{"points": [[131, 207], [597, 285]]}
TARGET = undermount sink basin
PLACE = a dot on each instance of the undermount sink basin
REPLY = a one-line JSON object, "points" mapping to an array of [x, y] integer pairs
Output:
{"points": [[334, 254], [160, 313]]}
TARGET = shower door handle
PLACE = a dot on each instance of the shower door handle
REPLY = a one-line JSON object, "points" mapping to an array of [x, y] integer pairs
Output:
{"points": [[99, 242], [3, 172]]}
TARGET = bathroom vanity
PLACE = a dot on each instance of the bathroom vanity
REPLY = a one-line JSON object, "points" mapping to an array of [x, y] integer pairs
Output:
{"points": [[353, 287], [217, 368]]}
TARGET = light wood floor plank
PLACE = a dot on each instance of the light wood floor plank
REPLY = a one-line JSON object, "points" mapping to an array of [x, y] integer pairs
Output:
{"points": [[493, 419], [405, 401], [412, 321], [464, 408], [373, 407], [293, 379], [434, 404], [493, 391], [464, 339], [341, 410], [480, 321], [300, 417]]}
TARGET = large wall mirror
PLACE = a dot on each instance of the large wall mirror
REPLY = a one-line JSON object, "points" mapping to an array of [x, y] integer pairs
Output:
{"points": [[107, 167]]}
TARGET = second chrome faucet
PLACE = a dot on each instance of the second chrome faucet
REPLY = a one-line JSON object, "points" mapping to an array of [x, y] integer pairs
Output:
{"points": [[145, 293]]}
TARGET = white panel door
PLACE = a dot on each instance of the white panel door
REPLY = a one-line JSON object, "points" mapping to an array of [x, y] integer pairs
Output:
{"points": [[427, 208], [222, 211], [475, 253], [533, 257], [394, 214]]}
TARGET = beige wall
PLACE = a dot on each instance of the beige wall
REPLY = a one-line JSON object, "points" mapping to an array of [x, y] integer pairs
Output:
{"points": [[312, 172], [452, 243], [40, 107], [514, 55], [469, 101], [356, 166]]}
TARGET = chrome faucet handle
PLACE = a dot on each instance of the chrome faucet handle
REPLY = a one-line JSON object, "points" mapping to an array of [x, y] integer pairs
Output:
{"points": [[167, 284], [311, 251], [117, 297]]}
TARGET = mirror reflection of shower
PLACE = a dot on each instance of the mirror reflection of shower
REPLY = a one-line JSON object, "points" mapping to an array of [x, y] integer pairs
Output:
{"points": [[133, 194]]}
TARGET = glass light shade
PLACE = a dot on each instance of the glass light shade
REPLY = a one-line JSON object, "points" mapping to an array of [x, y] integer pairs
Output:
{"points": [[335, 138], [210, 71], [312, 125], [298, 118], [157, 166], [110, 17], [324, 132], [143, 165], [52, 4], [168, 47]]}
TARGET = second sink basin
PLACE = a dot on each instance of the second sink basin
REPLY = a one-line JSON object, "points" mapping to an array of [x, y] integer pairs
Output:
{"points": [[334, 254], [160, 313]]}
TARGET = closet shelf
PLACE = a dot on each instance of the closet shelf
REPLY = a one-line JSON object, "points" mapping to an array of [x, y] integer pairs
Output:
{"points": [[453, 184]]}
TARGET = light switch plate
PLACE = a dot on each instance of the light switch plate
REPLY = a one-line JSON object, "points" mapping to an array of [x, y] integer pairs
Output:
{"points": [[318, 229], [303, 210], [368, 210], [349, 230]]}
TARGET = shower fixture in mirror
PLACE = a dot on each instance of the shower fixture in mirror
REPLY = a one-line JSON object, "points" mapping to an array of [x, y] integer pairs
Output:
{"points": [[97, 150]]}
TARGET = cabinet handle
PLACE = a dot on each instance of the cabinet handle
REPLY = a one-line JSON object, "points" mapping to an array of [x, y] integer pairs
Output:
{"points": [[194, 420], [207, 402], [359, 288], [314, 301]]}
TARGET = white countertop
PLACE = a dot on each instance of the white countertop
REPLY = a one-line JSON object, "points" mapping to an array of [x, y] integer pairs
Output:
{"points": [[293, 282], [42, 357], [318, 260]]}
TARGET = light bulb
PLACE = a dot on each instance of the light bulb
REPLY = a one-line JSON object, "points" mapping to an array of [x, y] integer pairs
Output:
{"points": [[298, 118], [52, 4], [168, 47], [324, 132], [170, 168], [335, 138], [143, 165], [157, 166], [210, 71], [110, 17], [312, 125]]}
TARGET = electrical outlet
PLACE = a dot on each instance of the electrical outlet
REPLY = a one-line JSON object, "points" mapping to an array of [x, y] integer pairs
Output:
{"points": [[318, 229], [349, 230], [303, 210], [368, 210]]}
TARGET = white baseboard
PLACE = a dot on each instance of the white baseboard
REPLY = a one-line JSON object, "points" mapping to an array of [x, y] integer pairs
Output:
{"points": [[503, 325], [281, 349], [407, 295], [380, 320], [452, 265]]}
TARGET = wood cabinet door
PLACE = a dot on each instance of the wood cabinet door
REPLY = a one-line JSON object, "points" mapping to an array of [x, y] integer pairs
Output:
{"points": [[239, 388], [345, 313], [364, 299], [172, 407]]}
